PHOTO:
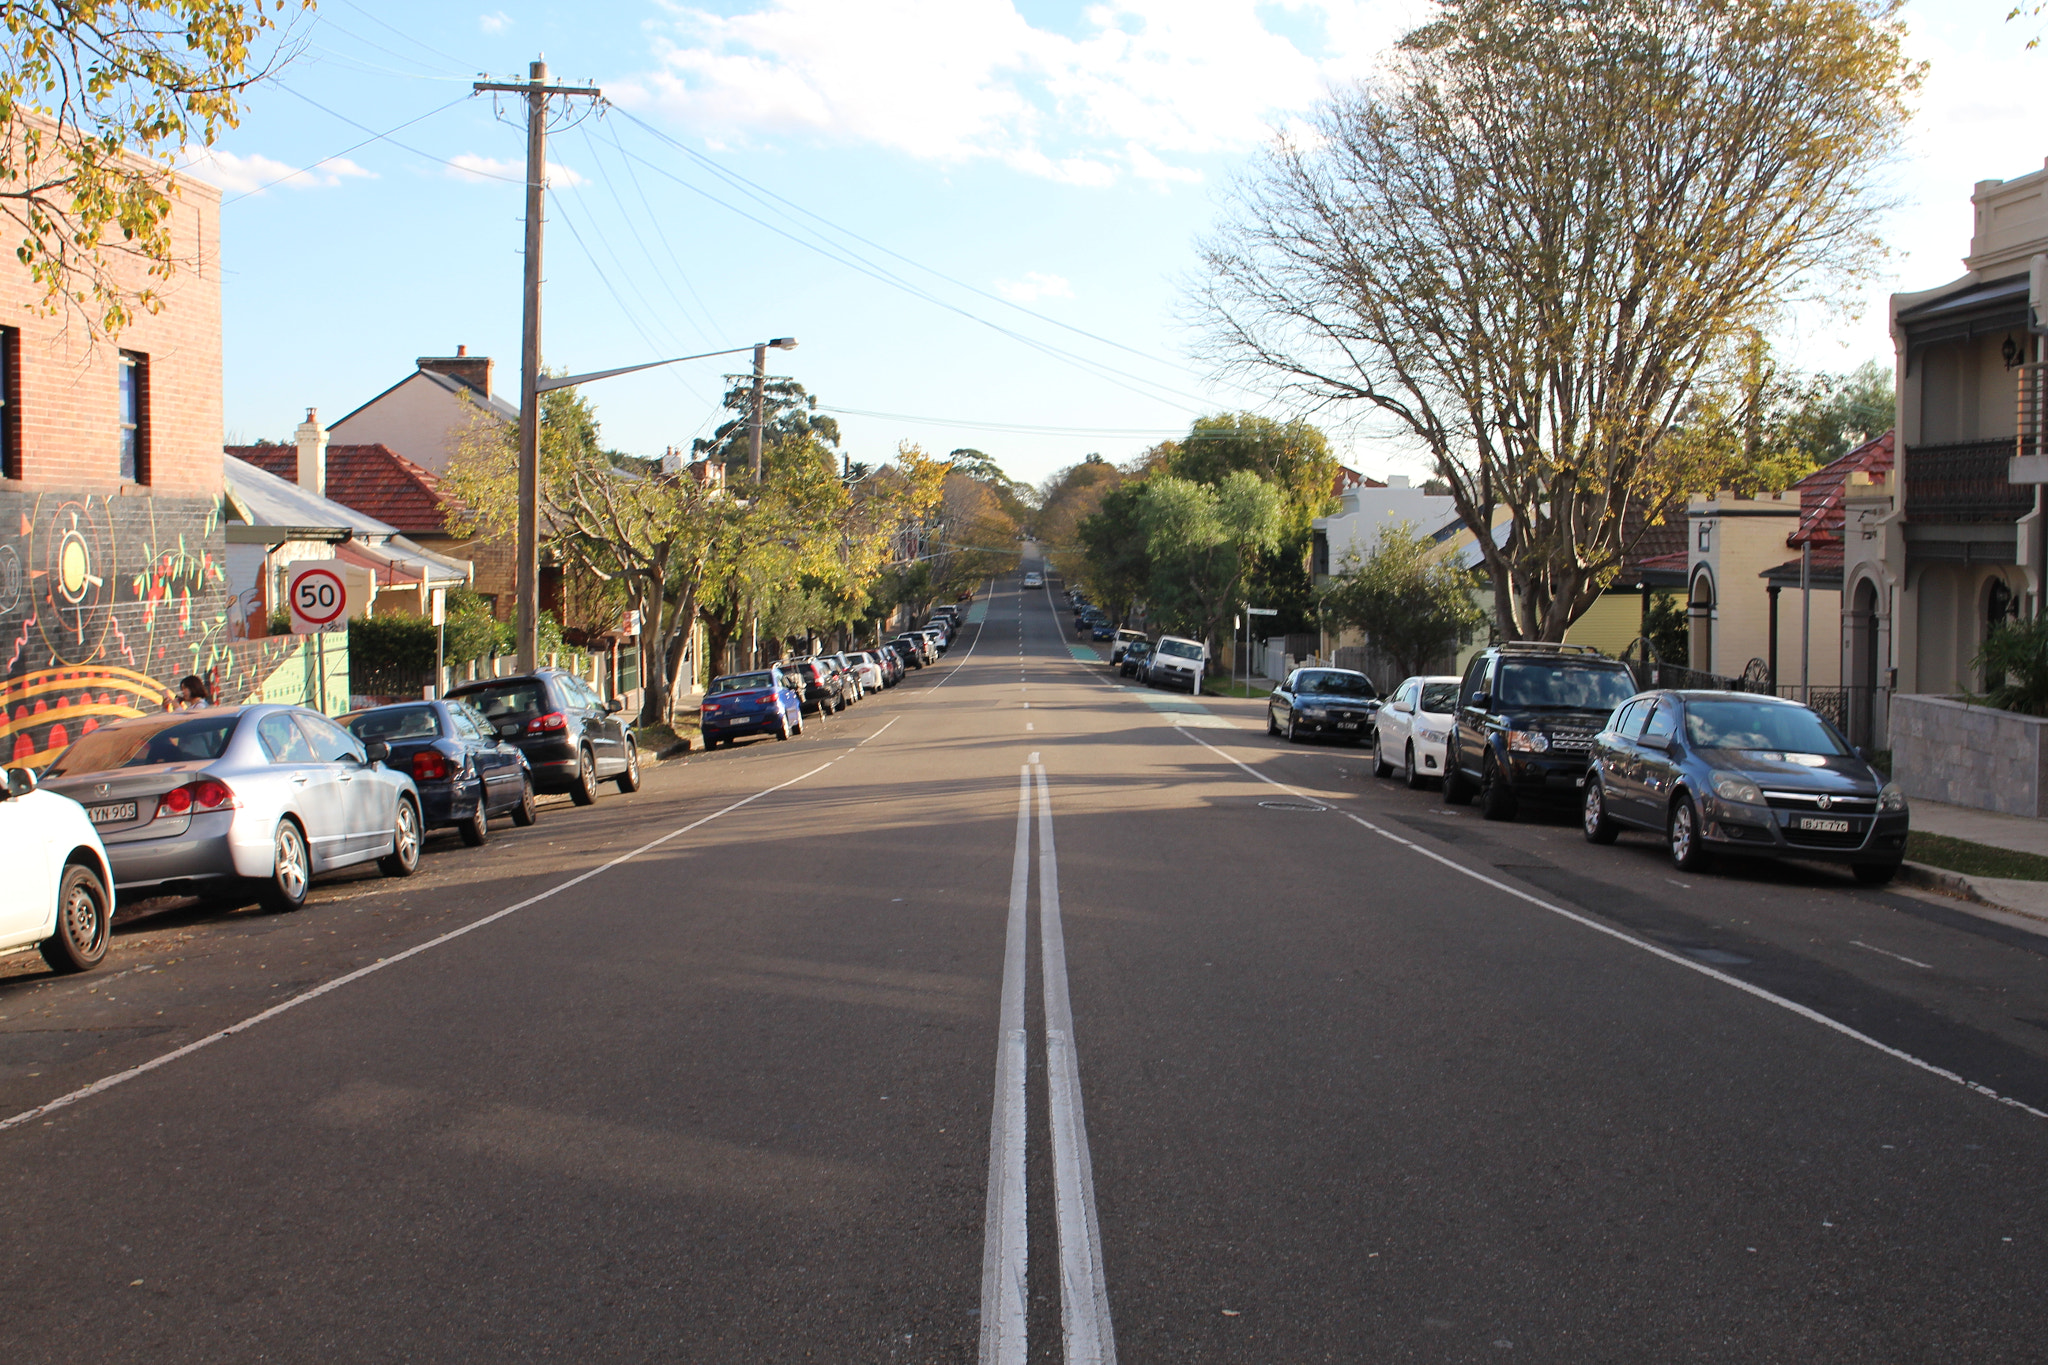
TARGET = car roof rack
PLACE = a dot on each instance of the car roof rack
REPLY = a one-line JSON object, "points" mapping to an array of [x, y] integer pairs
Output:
{"points": [[1547, 647]]}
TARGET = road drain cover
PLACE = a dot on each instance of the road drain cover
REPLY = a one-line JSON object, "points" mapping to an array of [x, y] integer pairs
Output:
{"points": [[1291, 805]]}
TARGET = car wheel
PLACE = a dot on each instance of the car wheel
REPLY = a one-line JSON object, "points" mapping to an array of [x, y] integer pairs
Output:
{"points": [[1688, 852], [1598, 828], [584, 793], [404, 858], [629, 780], [477, 828], [1293, 732], [524, 814], [1272, 726], [1875, 874], [783, 732], [1380, 767], [1457, 791], [84, 920], [291, 869], [1496, 801], [1412, 774]]}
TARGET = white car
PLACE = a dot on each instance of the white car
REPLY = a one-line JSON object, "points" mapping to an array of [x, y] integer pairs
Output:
{"points": [[869, 671], [1032, 580], [1178, 661], [1414, 724], [59, 890]]}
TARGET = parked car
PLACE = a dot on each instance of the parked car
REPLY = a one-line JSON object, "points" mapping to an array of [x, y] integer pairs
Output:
{"points": [[938, 638], [1414, 722], [845, 676], [758, 703], [1033, 580], [573, 739], [1177, 661], [203, 801], [809, 680], [1736, 773], [1102, 630], [465, 774], [873, 677], [59, 891], [917, 649], [1124, 640], [1323, 701], [949, 614], [891, 658], [1527, 714], [1136, 655]]}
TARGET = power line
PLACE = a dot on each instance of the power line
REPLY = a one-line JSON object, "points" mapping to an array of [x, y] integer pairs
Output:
{"points": [[1015, 428], [569, 221], [445, 56], [604, 174], [374, 137], [386, 137]]}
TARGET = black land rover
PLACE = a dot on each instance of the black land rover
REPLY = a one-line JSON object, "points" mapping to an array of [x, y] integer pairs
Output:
{"points": [[1526, 718]]}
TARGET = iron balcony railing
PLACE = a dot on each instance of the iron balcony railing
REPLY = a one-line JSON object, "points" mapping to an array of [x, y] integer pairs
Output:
{"points": [[1963, 482]]}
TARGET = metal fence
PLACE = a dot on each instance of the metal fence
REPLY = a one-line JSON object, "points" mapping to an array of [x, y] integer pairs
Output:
{"points": [[1858, 712]]}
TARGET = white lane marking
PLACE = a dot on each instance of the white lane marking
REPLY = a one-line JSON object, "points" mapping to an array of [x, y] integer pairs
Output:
{"points": [[1084, 1292], [120, 1077], [878, 734], [1006, 1239], [1029, 726], [1889, 953], [1803, 1011]]}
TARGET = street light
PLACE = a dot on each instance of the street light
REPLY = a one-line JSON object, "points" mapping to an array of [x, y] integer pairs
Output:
{"points": [[528, 586], [760, 377]]}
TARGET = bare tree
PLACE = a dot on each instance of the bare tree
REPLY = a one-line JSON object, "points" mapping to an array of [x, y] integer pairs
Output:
{"points": [[1541, 240]]}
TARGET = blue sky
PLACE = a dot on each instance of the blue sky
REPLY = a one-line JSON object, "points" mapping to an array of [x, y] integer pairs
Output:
{"points": [[1065, 156]]}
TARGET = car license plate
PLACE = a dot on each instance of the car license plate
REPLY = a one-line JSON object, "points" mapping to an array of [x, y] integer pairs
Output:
{"points": [[1821, 825], [111, 815], [1347, 725]]}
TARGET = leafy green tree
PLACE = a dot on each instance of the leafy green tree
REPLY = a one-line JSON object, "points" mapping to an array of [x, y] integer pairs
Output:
{"points": [[1116, 549], [96, 96], [1413, 604], [1292, 456], [1202, 540], [1669, 628], [789, 418]]}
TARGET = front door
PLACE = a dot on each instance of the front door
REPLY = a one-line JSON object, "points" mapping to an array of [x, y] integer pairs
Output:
{"points": [[1656, 766], [313, 791], [365, 801]]}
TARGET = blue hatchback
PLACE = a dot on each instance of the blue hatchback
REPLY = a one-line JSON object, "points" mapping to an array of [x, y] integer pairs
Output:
{"points": [[761, 703]]}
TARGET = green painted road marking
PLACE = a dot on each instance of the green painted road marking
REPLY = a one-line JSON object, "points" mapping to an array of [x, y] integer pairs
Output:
{"points": [[1084, 654], [978, 613]]}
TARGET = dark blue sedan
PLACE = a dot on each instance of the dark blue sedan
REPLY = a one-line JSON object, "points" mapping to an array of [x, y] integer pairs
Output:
{"points": [[466, 775], [1737, 773], [743, 704]]}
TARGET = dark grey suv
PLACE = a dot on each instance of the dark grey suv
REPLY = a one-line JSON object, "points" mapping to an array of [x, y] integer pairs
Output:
{"points": [[572, 738], [1526, 718]]}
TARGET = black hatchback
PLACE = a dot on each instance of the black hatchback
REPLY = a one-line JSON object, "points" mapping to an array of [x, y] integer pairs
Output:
{"points": [[572, 737], [1738, 773]]}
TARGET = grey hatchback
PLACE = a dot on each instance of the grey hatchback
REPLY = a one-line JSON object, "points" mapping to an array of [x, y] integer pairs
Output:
{"points": [[1735, 772]]}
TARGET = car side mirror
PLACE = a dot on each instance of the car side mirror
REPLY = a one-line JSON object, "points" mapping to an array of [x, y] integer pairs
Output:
{"points": [[376, 751], [1863, 753], [614, 706], [1480, 700], [20, 782]]}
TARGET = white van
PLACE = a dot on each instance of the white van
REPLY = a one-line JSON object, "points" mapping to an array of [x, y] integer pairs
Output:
{"points": [[1179, 661]]}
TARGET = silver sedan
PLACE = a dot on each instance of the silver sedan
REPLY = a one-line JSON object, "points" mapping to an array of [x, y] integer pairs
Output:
{"points": [[269, 796]]}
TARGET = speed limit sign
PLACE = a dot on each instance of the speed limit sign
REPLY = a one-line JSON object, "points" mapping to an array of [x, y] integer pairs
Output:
{"points": [[318, 596]]}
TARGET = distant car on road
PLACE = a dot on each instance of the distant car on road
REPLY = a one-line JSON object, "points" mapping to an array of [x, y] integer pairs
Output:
{"points": [[758, 703], [1032, 580], [1412, 726], [1177, 661], [1136, 654], [465, 773], [1736, 773], [59, 890], [1101, 630], [1124, 640], [1323, 701]]}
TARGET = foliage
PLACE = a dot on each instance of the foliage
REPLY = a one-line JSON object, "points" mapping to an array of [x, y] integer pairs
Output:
{"points": [[382, 645], [95, 97], [1413, 604], [2014, 662], [1070, 495], [789, 416], [1292, 456], [1116, 550], [976, 535], [1202, 539], [1669, 628], [1546, 232]]}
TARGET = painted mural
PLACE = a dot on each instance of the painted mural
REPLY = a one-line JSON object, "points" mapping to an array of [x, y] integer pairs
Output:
{"points": [[106, 602]]}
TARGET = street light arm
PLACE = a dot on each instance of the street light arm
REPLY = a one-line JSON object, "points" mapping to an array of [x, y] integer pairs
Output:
{"points": [[563, 381]]}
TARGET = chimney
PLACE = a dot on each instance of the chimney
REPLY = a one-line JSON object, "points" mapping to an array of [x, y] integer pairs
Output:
{"points": [[1397, 481], [312, 438], [464, 368]]}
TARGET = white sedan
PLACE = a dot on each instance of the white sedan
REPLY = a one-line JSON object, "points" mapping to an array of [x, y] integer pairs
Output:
{"points": [[1032, 580], [59, 891], [1414, 724]]}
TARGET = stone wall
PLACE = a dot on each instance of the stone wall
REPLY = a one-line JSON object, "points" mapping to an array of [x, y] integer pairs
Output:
{"points": [[1965, 755]]}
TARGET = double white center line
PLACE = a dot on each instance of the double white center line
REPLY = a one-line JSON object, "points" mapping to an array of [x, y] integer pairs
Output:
{"points": [[1084, 1294]]}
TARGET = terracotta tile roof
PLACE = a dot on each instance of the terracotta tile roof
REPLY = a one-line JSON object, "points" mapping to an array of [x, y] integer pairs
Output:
{"points": [[1821, 493], [1642, 544], [373, 479], [1827, 568]]}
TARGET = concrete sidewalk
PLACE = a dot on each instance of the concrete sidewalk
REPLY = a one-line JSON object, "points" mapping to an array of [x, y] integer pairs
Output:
{"points": [[2025, 902]]}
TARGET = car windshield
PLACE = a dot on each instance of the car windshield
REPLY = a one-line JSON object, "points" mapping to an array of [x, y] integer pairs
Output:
{"points": [[1774, 728], [1138, 647], [743, 682], [168, 738], [508, 701], [1439, 697], [1582, 687], [395, 722], [1335, 684], [1181, 649]]}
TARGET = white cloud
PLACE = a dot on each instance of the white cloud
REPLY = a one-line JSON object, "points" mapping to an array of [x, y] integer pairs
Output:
{"points": [[470, 166], [494, 24], [1034, 286], [1142, 86], [234, 174]]}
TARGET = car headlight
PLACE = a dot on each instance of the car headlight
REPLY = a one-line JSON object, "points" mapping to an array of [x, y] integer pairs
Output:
{"points": [[1528, 741], [1434, 736], [1737, 788], [1891, 801]]}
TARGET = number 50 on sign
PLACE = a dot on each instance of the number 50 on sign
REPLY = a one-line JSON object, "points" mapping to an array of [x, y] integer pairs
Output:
{"points": [[318, 595]]}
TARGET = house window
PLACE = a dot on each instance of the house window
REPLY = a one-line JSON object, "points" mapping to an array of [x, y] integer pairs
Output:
{"points": [[134, 417], [10, 417]]}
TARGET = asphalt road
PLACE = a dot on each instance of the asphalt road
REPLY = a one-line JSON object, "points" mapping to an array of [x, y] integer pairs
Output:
{"points": [[1019, 1015]]}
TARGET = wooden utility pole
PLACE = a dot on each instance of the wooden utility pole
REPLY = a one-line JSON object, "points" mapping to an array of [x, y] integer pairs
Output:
{"points": [[754, 412], [536, 92]]}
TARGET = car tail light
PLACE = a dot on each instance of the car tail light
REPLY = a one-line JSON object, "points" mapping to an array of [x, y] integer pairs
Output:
{"points": [[547, 724], [208, 793], [710, 707], [429, 765]]}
